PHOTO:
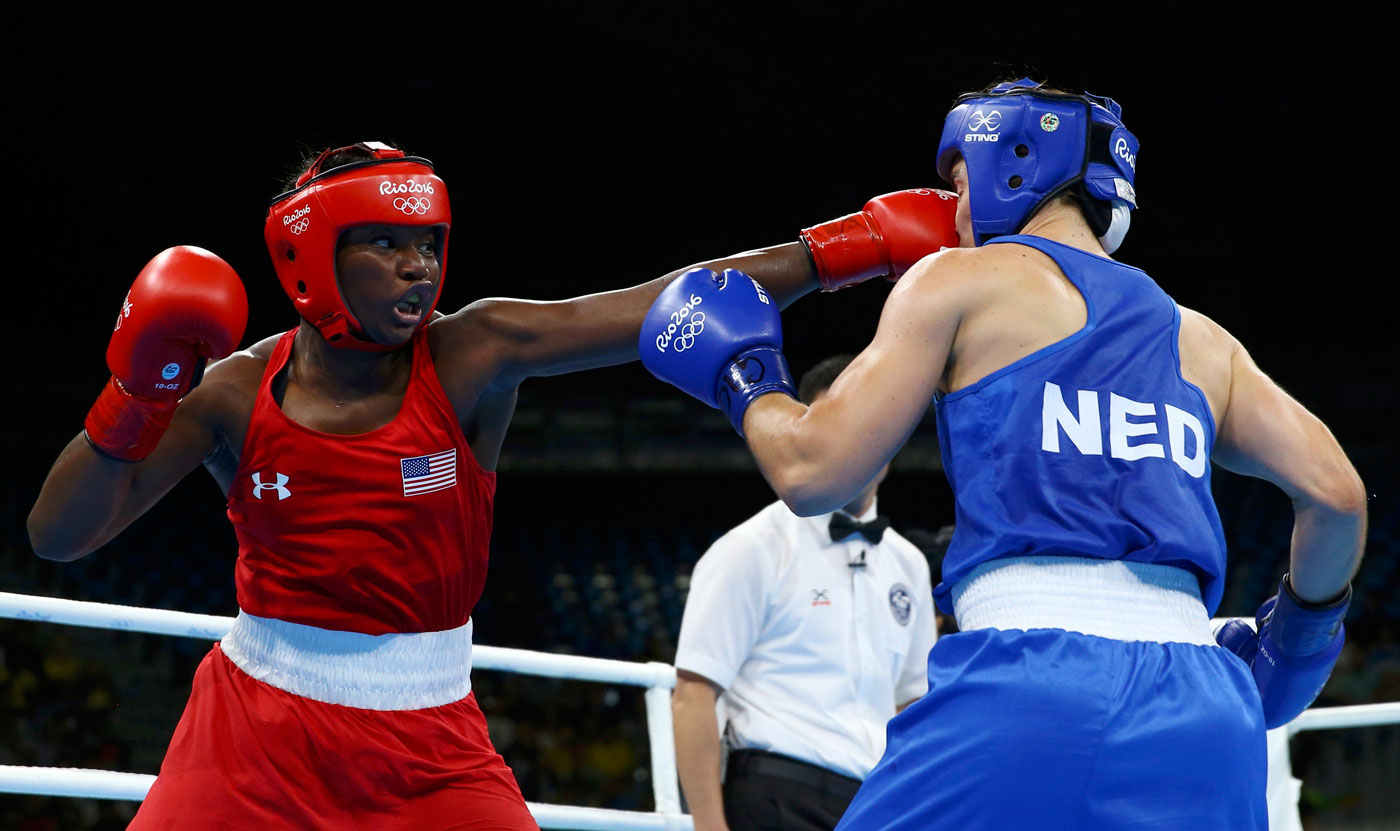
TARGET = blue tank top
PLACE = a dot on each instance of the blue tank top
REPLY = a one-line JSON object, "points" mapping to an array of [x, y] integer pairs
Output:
{"points": [[1094, 446]]}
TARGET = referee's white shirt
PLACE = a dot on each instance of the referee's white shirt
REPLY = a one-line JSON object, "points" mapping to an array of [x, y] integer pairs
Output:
{"points": [[813, 654]]}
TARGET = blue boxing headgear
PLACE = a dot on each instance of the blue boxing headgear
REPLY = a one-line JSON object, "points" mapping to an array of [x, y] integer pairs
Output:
{"points": [[1024, 146]]}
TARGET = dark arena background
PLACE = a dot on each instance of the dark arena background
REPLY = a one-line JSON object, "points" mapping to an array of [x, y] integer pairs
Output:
{"points": [[594, 150]]}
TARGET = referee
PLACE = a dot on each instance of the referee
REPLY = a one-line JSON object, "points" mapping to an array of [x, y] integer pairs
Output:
{"points": [[809, 633]]}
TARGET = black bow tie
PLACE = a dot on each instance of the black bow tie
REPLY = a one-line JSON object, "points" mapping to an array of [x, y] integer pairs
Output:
{"points": [[843, 526]]}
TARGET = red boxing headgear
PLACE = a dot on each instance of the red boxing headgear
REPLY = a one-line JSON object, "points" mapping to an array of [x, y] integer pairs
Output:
{"points": [[303, 226]]}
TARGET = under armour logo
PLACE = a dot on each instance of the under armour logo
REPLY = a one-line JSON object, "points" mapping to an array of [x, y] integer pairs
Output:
{"points": [[259, 486], [821, 597]]}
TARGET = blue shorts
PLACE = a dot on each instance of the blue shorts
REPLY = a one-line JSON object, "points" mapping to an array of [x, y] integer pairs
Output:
{"points": [[1056, 731]]}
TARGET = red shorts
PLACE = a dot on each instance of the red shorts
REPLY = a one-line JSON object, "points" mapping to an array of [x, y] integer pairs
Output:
{"points": [[247, 755]]}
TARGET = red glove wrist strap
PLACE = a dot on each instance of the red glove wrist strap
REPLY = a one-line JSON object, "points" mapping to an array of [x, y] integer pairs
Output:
{"points": [[846, 251], [125, 426]]}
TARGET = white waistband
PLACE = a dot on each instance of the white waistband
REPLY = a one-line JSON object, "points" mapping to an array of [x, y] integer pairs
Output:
{"points": [[407, 671], [1117, 599]]}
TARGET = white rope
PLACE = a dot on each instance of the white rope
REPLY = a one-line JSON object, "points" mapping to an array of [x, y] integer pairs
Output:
{"points": [[214, 627], [577, 667], [1336, 718], [132, 787], [96, 784], [602, 819], [108, 616]]}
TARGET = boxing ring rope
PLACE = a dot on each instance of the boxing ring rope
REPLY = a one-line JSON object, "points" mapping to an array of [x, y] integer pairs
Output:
{"points": [[1337, 718], [657, 678]]}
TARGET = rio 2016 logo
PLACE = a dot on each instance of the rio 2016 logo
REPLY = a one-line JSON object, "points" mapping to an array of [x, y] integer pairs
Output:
{"points": [[124, 313], [685, 324], [295, 215], [1120, 149], [386, 188]]}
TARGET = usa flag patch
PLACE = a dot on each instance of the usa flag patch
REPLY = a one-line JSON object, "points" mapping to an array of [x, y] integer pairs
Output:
{"points": [[425, 474]]}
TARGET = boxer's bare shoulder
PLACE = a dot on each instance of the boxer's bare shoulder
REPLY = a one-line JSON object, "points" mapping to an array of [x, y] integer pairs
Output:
{"points": [[231, 384], [245, 362], [979, 277], [223, 404], [1207, 356], [471, 347], [480, 333], [1007, 301]]}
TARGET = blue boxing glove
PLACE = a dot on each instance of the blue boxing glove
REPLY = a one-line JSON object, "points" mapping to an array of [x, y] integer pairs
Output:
{"points": [[1293, 653], [719, 338]]}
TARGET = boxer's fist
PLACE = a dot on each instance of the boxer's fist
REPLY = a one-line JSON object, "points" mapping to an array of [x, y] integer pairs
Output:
{"points": [[894, 231], [186, 307], [719, 338], [186, 304], [1293, 652]]}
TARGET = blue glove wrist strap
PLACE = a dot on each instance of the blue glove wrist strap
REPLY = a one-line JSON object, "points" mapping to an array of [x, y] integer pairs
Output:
{"points": [[1301, 628], [752, 373]]}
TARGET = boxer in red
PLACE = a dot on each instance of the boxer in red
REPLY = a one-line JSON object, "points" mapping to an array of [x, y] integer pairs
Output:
{"points": [[357, 453]]}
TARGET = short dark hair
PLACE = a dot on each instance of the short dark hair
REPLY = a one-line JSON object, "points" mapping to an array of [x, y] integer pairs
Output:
{"points": [[816, 380]]}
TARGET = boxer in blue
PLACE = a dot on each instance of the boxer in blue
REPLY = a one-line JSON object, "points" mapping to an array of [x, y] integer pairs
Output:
{"points": [[1079, 410]]}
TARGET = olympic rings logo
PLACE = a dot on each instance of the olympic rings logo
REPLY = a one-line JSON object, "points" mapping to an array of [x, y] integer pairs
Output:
{"points": [[299, 227], [685, 337], [412, 205]]}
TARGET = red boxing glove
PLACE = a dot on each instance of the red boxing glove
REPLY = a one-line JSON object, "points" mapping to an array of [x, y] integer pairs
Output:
{"points": [[186, 306], [894, 231]]}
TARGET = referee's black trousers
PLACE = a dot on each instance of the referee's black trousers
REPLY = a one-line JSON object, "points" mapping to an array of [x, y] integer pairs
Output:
{"points": [[768, 792]]}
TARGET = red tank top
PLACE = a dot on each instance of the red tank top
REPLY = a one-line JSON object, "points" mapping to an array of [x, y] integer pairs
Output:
{"points": [[386, 531]]}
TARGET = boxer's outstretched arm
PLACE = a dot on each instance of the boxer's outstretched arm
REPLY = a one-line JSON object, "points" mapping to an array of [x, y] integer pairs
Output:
{"points": [[818, 458], [1264, 432], [887, 237], [596, 330]]}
